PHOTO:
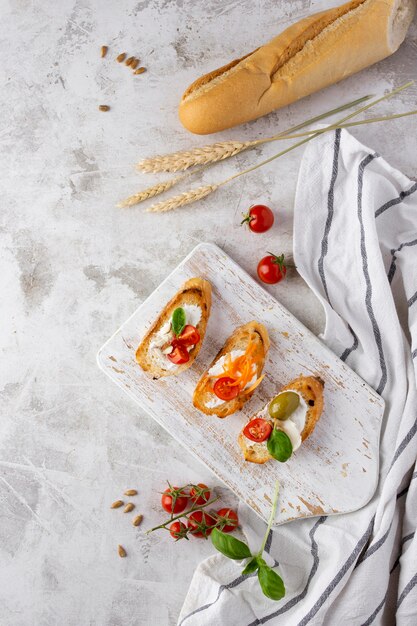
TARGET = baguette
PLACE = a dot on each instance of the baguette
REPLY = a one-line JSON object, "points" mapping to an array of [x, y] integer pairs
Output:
{"points": [[196, 292], [311, 54], [239, 340], [310, 388]]}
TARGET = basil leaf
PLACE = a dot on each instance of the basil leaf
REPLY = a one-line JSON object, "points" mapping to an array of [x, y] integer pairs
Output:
{"points": [[229, 546], [279, 445], [271, 583], [251, 567], [178, 321]]}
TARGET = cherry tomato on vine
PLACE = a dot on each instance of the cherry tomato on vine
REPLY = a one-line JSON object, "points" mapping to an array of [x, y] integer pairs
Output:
{"points": [[260, 218], [201, 524], [200, 494], [272, 269], [225, 389], [229, 518], [257, 430], [178, 530], [179, 355], [174, 500], [189, 336]]}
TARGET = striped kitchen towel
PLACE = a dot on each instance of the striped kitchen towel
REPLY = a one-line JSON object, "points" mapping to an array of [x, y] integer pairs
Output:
{"points": [[355, 244]]}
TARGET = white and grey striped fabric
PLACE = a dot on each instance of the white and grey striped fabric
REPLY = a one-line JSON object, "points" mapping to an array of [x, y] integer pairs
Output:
{"points": [[355, 243]]}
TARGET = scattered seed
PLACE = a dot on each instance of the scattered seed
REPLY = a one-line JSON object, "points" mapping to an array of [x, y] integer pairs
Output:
{"points": [[134, 64], [122, 552], [103, 51], [131, 492], [121, 57], [140, 70], [104, 107], [129, 507], [138, 519], [129, 61], [117, 504]]}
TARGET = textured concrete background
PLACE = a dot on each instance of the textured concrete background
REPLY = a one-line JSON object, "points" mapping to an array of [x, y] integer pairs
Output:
{"points": [[73, 268]]}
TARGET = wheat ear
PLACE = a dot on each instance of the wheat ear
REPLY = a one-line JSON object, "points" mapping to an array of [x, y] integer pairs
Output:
{"points": [[184, 159], [182, 199], [150, 192]]}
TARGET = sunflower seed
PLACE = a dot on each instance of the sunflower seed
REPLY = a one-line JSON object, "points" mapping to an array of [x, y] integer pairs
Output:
{"points": [[138, 519], [121, 57], [129, 61], [140, 70], [131, 492], [122, 552], [103, 51], [129, 507], [104, 107], [117, 504]]}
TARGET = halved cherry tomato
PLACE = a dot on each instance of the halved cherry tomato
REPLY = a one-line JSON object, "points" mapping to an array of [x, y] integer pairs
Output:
{"points": [[225, 389], [272, 269], [257, 430], [201, 524], [178, 530], [189, 336], [179, 354], [200, 494], [174, 500], [260, 218], [229, 518]]}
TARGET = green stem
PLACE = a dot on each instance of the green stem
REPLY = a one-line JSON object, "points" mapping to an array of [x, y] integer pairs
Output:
{"points": [[183, 514], [319, 132], [271, 518]]}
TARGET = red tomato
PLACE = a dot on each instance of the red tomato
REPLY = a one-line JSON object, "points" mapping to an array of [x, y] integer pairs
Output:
{"points": [[174, 500], [189, 336], [179, 355], [229, 518], [259, 219], [200, 494], [257, 430], [200, 524], [178, 530], [272, 269], [225, 389]]}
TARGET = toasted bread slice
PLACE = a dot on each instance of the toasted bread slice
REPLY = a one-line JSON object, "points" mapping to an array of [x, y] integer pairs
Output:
{"points": [[196, 291], [311, 390], [203, 394]]}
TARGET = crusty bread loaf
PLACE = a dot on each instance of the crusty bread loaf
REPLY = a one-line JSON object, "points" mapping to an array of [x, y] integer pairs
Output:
{"points": [[309, 55], [311, 389], [252, 331], [194, 291]]}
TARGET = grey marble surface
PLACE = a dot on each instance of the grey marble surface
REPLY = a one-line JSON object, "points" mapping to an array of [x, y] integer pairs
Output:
{"points": [[74, 268]]}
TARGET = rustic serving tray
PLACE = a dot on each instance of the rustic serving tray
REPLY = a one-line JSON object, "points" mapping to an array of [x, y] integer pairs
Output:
{"points": [[334, 471]]}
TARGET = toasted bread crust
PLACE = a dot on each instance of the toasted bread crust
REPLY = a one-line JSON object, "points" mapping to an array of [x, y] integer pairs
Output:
{"points": [[239, 339], [195, 291], [311, 389]]}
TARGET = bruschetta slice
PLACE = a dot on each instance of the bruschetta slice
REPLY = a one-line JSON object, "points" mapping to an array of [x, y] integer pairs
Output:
{"points": [[235, 373], [173, 341], [284, 423]]}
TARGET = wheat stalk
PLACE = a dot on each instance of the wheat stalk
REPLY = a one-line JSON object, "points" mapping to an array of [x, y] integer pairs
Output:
{"points": [[212, 153], [182, 199], [150, 192]]}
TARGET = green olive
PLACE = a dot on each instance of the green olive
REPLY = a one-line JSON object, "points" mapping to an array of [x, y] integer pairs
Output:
{"points": [[283, 405]]}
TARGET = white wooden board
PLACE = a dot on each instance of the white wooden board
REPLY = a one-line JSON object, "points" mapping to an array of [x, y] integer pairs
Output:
{"points": [[334, 471]]}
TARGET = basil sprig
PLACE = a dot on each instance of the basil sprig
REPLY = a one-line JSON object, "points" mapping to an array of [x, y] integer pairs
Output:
{"points": [[270, 582], [279, 445], [178, 321]]}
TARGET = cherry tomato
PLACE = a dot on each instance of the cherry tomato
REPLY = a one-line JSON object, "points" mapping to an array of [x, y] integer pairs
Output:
{"points": [[259, 219], [174, 500], [225, 389], [227, 515], [200, 524], [178, 530], [179, 354], [200, 494], [272, 269], [189, 336], [257, 430]]}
